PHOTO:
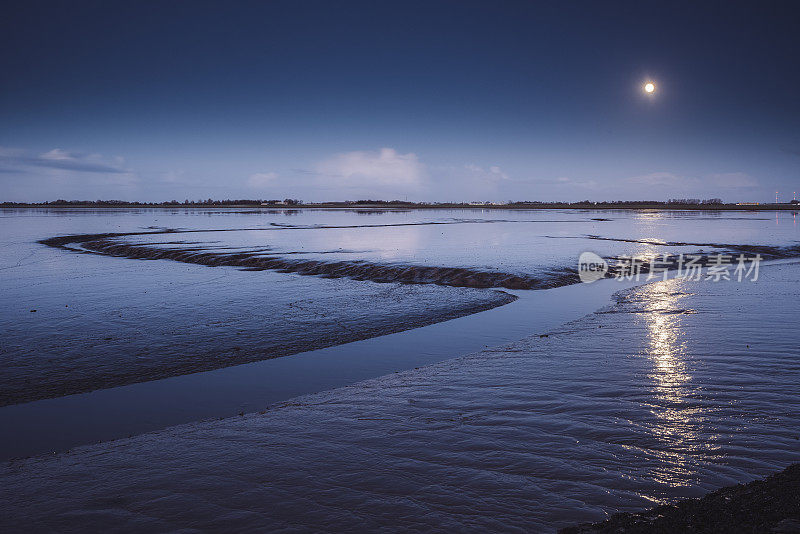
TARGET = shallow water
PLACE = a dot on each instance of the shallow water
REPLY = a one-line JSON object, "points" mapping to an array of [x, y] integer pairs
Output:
{"points": [[676, 389], [504, 249], [55, 425], [104, 322]]}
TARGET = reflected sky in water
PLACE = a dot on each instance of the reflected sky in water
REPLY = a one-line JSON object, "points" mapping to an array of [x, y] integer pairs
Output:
{"points": [[638, 404], [677, 389]]}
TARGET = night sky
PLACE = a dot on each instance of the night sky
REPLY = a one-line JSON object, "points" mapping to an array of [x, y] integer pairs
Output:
{"points": [[426, 100]]}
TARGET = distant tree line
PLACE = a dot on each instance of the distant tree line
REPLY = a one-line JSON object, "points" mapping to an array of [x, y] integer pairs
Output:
{"points": [[694, 201], [365, 202], [113, 203], [672, 201], [381, 202]]}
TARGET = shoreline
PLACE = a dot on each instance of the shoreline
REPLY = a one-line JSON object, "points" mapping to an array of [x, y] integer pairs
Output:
{"points": [[251, 387], [18, 391], [359, 270], [770, 504], [391, 206]]}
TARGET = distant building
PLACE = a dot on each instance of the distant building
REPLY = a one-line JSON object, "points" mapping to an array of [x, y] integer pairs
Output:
{"points": [[748, 203]]}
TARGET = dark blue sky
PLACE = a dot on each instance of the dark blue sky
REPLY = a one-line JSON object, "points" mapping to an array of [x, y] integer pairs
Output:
{"points": [[418, 100]]}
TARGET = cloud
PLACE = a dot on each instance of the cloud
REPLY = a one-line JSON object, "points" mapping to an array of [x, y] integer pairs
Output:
{"points": [[663, 185], [733, 179], [58, 173], [565, 181], [385, 168], [491, 175], [174, 177], [717, 180], [656, 179], [262, 179], [468, 182], [58, 158], [585, 184]]}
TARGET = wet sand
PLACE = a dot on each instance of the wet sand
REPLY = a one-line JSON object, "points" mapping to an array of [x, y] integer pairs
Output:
{"points": [[59, 424], [262, 259], [137, 343], [673, 391]]}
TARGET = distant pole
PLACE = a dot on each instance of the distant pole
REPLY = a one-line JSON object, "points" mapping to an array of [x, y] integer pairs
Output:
{"points": [[776, 197]]}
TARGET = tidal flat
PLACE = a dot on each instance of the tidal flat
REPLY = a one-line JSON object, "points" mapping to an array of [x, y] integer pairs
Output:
{"points": [[670, 390]]}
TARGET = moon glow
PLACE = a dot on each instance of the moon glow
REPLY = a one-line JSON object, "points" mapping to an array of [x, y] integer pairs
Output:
{"points": [[649, 87]]}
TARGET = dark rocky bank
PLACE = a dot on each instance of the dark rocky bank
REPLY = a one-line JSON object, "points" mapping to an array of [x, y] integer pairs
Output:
{"points": [[771, 505]]}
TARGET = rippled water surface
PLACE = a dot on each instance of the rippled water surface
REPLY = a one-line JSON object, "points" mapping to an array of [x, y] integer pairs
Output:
{"points": [[481, 248], [675, 389], [75, 322]]}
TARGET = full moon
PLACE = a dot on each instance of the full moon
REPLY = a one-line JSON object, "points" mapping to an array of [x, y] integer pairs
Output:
{"points": [[649, 87]]}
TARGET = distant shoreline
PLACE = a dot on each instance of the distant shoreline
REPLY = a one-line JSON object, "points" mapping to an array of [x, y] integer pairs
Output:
{"points": [[413, 206]]}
